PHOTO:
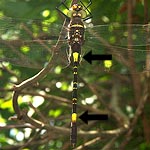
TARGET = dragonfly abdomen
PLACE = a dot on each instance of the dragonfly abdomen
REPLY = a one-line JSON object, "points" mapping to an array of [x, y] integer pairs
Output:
{"points": [[75, 39], [74, 103]]}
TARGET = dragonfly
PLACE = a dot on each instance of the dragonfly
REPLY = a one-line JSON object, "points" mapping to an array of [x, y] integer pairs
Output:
{"points": [[29, 43], [76, 16]]}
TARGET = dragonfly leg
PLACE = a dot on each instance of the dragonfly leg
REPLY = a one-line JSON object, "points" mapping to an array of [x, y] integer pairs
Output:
{"points": [[80, 59], [68, 52], [86, 8], [69, 55], [90, 2], [57, 8]]}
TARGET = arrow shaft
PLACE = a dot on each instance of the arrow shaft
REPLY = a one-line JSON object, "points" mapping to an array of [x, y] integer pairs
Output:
{"points": [[97, 117], [102, 57]]}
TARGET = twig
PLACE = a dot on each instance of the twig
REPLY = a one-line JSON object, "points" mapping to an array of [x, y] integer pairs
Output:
{"points": [[138, 112], [88, 143], [110, 109], [24, 59], [110, 144]]}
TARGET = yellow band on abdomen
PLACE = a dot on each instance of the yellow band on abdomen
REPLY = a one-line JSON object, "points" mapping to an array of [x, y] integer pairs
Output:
{"points": [[74, 117], [75, 56]]}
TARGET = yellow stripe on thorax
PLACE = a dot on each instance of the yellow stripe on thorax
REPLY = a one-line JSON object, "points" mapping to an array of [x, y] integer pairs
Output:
{"points": [[74, 117], [75, 56], [77, 25]]}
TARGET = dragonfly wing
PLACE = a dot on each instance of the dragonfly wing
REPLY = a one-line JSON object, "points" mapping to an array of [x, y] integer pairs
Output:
{"points": [[29, 43], [112, 39]]}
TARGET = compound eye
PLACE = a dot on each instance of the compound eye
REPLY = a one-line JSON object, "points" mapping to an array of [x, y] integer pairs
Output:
{"points": [[83, 13], [71, 13]]}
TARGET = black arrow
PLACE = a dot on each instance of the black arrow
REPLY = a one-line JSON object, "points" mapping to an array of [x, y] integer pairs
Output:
{"points": [[89, 57], [85, 117]]}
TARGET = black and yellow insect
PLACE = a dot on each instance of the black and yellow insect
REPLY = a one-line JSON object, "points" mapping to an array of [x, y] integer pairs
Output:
{"points": [[76, 14], [75, 40]]}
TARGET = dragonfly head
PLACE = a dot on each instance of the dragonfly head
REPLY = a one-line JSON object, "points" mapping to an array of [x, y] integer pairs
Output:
{"points": [[76, 7], [77, 11]]}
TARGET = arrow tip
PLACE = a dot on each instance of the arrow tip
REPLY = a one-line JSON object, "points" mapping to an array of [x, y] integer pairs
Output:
{"points": [[88, 57], [84, 117]]}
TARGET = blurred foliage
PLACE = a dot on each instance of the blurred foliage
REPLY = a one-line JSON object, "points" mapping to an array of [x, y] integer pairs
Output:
{"points": [[58, 81]]}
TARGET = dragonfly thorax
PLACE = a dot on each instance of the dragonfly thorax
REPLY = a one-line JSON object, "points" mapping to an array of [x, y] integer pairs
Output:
{"points": [[76, 32]]}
